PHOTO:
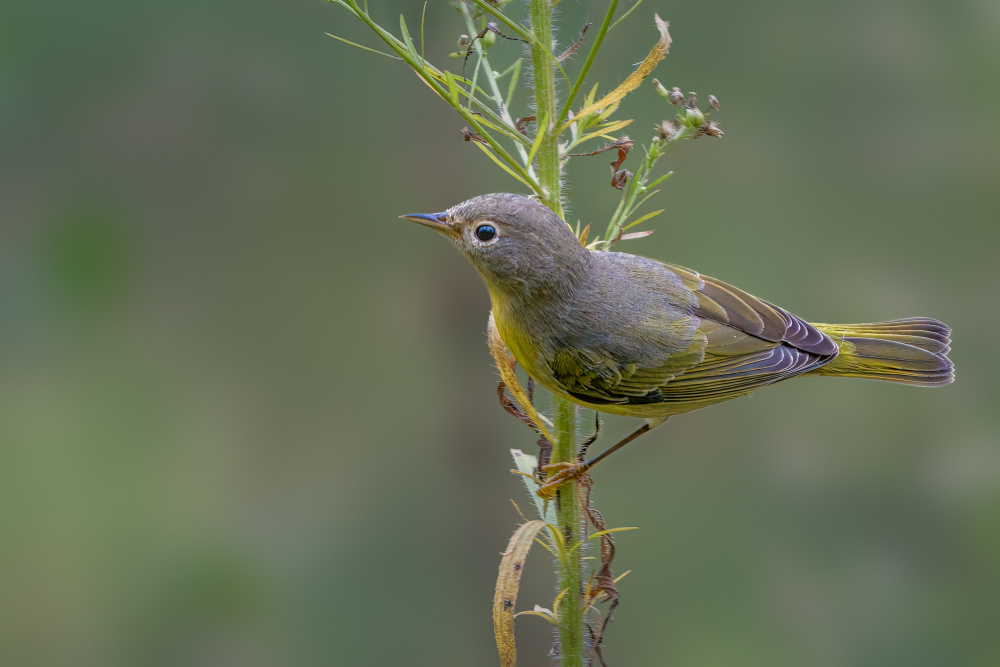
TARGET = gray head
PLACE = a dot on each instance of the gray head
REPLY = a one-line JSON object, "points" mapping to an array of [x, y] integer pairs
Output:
{"points": [[518, 245]]}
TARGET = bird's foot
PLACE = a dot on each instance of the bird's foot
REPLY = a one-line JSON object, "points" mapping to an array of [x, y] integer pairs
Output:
{"points": [[558, 474]]}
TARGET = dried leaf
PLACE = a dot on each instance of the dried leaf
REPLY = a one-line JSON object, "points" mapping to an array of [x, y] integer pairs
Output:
{"points": [[469, 135], [505, 364], [526, 466], [624, 144], [635, 235], [658, 53], [620, 178], [520, 123], [490, 27], [602, 581], [508, 583]]}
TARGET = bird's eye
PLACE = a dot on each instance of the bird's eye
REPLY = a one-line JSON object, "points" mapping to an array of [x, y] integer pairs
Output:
{"points": [[485, 232]]}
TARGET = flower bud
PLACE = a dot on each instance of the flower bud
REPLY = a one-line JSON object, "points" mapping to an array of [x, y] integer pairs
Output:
{"points": [[693, 117], [661, 91], [713, 102], [676, 96], [692, 100], [489, 39], [463, 42]]}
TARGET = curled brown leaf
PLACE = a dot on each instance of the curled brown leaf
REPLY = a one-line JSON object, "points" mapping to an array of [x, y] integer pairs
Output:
{"points": [[508, 583]]}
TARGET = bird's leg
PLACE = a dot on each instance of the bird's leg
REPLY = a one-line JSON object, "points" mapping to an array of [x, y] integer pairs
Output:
{"points": [[645, 428], [582, 450], [561, 472], [511, 407], [544, 454]]}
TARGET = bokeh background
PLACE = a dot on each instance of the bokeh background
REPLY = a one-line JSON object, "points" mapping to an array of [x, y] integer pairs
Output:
{"points": [[247, 416]]}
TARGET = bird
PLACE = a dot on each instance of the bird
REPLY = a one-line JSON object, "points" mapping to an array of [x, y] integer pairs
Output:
{"points": [[628, 335]]}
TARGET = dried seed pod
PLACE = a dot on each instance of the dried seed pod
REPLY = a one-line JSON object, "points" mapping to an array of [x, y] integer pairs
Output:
{"points": [[713, 102], [710, 129], [676, 96], [667, 129]]}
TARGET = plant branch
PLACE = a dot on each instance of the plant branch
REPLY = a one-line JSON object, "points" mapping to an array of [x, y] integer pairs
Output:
{"points": [[549, 166], [598, 40], [491, 79]]}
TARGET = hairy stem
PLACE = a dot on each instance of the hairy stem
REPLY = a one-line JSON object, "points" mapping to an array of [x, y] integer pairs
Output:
{"points": [[569, 575], [542, 60]]}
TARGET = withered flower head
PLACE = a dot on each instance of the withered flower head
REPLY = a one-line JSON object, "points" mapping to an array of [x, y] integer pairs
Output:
{"points": [[667, 129], [711, 129]]}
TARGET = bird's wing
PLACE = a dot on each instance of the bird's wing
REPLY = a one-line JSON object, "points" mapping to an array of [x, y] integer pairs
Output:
{"points": [[739, 343], [725, 304], [749, 343], [596, 377]]}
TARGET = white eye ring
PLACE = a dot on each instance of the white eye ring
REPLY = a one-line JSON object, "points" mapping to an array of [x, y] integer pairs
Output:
{"points": [[485, 233]]}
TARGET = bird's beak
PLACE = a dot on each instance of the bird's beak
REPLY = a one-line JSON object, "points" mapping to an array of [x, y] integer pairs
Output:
{"points": [[436, 221]]}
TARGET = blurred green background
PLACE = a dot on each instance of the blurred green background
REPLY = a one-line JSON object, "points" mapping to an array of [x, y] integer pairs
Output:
{"points": [[247, 416]]}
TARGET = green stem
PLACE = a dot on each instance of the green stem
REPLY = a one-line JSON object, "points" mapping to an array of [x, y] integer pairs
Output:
{"points": [[568, 511], [589, 61], [570, 574], [549, 165], [492, 81]]}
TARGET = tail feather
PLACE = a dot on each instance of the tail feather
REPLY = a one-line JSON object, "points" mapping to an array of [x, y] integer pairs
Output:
{"points": [[911, 351]]}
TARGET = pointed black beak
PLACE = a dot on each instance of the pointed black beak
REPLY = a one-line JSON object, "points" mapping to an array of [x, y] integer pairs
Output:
{"points": [[436, 221]]}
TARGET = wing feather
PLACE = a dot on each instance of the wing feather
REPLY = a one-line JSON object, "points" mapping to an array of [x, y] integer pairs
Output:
{"points": [[741, 343]]}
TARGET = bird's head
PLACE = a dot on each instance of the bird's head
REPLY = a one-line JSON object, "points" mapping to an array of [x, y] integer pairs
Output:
{"points": [[517, 244]]}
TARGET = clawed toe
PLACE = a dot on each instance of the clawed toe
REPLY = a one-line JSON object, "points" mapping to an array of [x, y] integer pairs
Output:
{"points": [[558, 474]]}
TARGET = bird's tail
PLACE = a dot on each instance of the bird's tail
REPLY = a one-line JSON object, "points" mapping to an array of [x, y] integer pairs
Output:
{"points": [[912, 351]]}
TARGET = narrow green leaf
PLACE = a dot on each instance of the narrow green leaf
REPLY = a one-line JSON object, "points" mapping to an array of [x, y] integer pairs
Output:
{"points": [[625, 15], [660, 180], [407, 41], [510, 69], [514, 79], [612, 530], [501, 164], [362, 47], [422, 15], [541, 125], [452, 89], [643, 219]]}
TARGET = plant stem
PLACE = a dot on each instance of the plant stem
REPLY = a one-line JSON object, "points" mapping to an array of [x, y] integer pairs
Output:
{"points": [[491, 80], [589, 61], [549, 165], [570, 575]]}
